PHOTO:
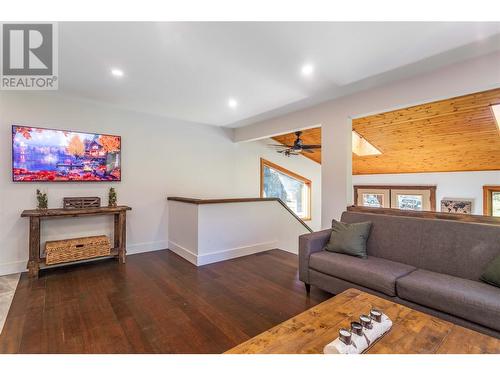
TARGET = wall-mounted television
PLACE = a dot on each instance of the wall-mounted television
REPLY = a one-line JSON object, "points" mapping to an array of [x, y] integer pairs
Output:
{"points": [[40, 154]]}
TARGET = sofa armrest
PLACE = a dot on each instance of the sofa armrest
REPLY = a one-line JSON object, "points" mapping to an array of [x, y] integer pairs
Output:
{"points": [[308, 244]]}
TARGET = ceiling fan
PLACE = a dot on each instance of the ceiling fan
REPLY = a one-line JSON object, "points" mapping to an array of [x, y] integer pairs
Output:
{"points": [[297, 148]]}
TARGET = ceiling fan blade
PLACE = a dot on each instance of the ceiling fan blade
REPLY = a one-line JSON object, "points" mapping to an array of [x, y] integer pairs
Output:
{"points": [[308, 151], [310, 147], [269, 144]]}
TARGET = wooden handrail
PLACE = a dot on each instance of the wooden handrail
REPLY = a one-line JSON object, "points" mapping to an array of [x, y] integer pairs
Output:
{"points": [[240, 200], [427, 214]]}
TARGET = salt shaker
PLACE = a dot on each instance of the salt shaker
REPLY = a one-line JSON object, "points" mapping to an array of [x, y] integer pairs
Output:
{"points": [[376, 315], [356, 328], [366, 321], [345, 336]]}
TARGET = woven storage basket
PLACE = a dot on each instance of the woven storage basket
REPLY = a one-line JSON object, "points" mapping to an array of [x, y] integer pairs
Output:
{"points": [[76, 249]]}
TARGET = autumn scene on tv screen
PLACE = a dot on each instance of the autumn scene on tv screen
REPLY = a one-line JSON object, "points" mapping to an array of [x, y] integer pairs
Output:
{"points": [[55, 155]]}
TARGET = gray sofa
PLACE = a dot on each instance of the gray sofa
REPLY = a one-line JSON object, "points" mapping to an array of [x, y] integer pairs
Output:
{"points": [[430, 265]]}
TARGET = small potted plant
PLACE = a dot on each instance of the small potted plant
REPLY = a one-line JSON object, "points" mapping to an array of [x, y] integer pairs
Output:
{"points": [[112, 197], [42, 200]]}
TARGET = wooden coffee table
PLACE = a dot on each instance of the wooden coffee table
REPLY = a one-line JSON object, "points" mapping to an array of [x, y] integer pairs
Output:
{"points": [[412, 331]]}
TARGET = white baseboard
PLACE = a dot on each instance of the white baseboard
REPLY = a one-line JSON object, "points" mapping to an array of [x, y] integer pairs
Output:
{"points": [[183, 252], [13, 267], [145, 247], [20, 266], [235, 253], [202, 259]]}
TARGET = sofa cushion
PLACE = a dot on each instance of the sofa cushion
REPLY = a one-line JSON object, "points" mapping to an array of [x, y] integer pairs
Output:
{"points": [[468, 299], [492, 273], [349, 239], [371, 272]]}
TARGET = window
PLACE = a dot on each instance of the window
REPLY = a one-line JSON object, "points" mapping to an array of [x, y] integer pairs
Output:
{"points": [[495, 204], [294, 190], [491, 200]]}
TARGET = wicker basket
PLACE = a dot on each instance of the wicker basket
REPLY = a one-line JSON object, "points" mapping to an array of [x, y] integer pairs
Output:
{"points": [[63, 251]]}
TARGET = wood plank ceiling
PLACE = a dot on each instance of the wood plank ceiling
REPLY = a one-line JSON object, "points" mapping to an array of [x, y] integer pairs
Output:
{"points": [[457, 134]]}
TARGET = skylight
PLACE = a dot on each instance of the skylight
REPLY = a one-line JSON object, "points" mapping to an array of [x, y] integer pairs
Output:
{"points": [[362, 147], [495, 108]]}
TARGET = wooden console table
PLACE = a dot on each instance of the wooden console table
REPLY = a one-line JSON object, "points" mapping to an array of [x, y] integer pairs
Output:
{"points": [[119, 250]]}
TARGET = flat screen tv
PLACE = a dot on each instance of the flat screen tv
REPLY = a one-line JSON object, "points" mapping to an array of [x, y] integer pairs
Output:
{"points": [[40, 154]]}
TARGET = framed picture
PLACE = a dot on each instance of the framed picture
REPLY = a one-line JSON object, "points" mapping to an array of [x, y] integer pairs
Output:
{"points": [[372, 197], [373, 200], [413, 202], [415, 198], [457, 205]]}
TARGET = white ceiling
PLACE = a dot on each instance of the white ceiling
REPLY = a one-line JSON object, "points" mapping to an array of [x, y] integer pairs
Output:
{"points": [[190, 70]]}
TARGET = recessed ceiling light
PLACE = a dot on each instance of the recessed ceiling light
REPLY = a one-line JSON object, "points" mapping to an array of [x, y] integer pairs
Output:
{"points": [[117, 72], [495, 108], [232, 103], [307, 70]]}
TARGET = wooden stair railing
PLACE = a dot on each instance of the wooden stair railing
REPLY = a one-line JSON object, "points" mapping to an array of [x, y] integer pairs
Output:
{"points": [[240, 200]]}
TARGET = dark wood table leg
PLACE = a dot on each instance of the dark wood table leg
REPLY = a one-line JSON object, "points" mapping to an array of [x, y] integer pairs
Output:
{"points": [[120, 235], [34, 244]]}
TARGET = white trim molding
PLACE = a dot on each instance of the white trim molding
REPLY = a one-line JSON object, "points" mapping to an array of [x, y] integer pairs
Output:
{"points": [[218, 256]]}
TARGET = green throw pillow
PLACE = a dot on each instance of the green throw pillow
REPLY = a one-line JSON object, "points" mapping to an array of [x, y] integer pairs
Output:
{"points": [[349, 239], [492, 273]]}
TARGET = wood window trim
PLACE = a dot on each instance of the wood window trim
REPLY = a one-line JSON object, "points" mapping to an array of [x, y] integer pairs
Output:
{"points": [[488, 191], [431, 188], [279, 168]]}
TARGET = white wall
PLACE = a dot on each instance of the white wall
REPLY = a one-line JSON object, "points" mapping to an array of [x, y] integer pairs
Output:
{"points": [[210, 233], [449, 185], [160, 157], [335, 117]]}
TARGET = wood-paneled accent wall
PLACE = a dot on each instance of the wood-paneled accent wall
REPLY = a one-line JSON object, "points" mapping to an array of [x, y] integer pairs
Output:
{"points": [[457, 134]]}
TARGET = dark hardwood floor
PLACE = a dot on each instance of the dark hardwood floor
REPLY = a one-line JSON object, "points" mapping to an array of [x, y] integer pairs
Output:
{"points": [[156, 303]]}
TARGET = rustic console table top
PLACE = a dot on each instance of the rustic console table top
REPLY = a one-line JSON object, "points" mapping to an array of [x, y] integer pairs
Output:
{"points": [[412, 331], [74, 211]]}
